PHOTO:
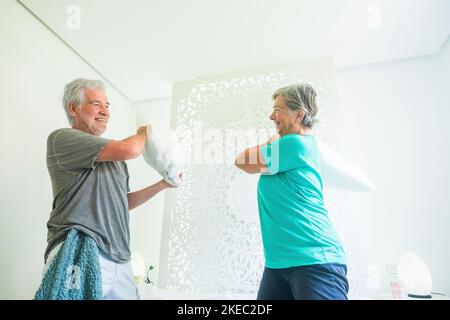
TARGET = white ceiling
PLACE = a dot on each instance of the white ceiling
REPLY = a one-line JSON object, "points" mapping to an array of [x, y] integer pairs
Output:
{"points": [[143, 46]]}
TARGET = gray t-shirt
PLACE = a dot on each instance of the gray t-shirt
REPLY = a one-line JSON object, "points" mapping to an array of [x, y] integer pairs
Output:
{"points": [[87, 195]]}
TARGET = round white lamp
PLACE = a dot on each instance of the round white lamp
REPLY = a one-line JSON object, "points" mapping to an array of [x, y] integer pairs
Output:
{"points": [[416, 276], [138, 266]]}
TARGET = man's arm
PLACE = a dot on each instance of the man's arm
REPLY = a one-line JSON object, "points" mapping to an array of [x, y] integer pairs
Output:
{"points": [[135, 199], [126, 149]]}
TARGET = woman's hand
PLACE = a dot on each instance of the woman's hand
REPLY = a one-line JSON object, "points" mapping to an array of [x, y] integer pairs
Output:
{"points": [[273, 138]]}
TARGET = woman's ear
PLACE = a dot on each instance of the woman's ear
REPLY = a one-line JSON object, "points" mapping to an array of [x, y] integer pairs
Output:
{"points": [[300, 115]]}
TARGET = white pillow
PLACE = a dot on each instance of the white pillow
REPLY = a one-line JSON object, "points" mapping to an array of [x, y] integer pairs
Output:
{"points": [[164, 153], [338, 173]]}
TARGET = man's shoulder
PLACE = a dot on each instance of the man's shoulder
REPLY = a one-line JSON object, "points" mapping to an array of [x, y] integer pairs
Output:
{"points": [[51, 137], [59, 131], [62, 136], [67, 132]]}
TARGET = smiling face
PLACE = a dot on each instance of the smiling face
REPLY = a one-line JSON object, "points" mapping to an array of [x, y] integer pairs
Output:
{"points": [[285, 119], [92, 114]]}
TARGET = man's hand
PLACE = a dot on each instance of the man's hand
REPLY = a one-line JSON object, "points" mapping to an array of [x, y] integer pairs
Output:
{"points": [[143, 131], [126, 149], [167, 185]]}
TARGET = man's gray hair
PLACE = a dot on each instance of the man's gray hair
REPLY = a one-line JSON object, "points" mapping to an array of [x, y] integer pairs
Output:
{"points": [[300, 96], [74, 92]]}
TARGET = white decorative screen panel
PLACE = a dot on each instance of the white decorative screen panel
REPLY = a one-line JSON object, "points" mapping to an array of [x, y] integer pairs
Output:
{"points": [[211, 239]]}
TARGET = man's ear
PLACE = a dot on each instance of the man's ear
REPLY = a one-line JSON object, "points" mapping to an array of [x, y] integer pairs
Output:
{"points": [[300, 115], [72, 108]]}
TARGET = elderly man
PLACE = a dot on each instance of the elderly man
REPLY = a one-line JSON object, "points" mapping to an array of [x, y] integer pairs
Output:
{"points": [[90, 185]]}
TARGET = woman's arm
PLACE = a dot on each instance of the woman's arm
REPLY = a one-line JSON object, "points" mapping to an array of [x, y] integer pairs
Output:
{"points": [[251, 159]]}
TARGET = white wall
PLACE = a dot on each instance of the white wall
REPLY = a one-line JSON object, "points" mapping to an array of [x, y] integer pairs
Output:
{"points": [[34, 67], [395, 124], [146, 220], [395, 130], [445, 56]]}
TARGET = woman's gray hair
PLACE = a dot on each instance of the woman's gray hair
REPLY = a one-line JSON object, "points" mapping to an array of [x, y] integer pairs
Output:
{"points": [[301, 96], [74, 92]]}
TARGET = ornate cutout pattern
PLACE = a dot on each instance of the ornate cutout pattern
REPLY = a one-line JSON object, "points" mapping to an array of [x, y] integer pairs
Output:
{"points": [[213, 231]]}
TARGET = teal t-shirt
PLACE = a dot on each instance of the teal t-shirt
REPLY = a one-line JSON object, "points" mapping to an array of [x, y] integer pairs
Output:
{"points": [[296, 229]]}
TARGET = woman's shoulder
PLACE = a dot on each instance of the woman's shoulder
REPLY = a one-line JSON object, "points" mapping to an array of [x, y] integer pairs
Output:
{"points": [[299, 139]]}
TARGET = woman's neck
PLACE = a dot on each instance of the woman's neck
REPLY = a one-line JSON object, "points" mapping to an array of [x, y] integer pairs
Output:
{"points": [[299, 130], [304, 131]]}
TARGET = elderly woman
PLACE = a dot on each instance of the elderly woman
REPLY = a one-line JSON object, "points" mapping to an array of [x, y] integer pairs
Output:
{"points": [[304, 255]]}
